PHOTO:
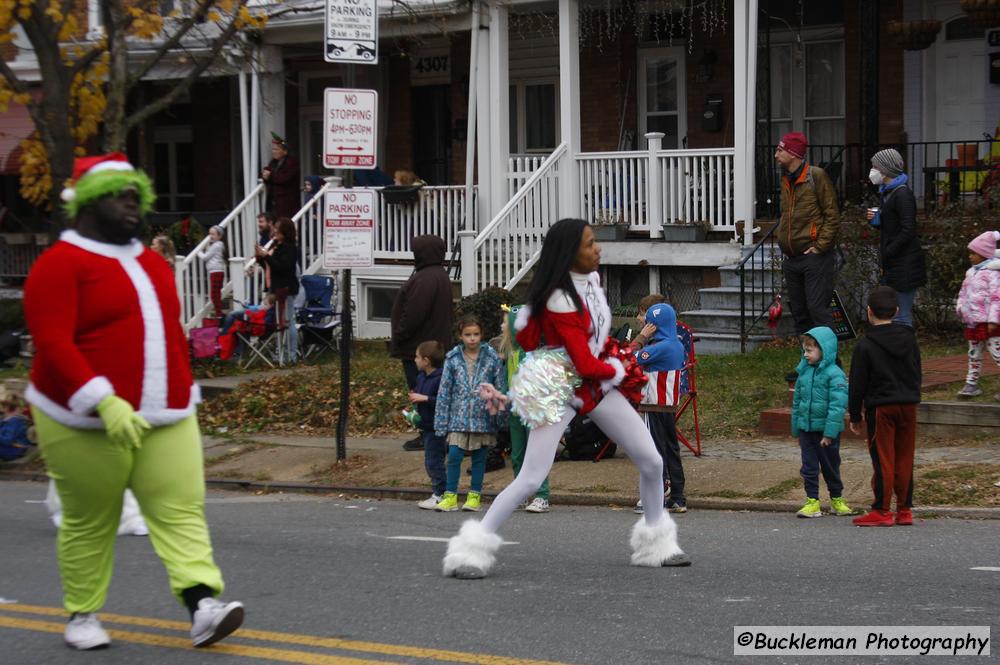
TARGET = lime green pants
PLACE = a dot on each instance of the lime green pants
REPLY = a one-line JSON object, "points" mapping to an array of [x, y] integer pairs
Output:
{"points": [[91, 474]]}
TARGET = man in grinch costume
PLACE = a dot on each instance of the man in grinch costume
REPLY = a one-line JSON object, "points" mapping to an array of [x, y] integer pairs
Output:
{"points": [[114, 403]]}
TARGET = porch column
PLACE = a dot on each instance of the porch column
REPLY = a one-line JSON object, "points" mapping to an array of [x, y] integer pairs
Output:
{"points": [[486, 117], [499, 101], [271, 104], [744, 114], [244, 133], [569, 106]]}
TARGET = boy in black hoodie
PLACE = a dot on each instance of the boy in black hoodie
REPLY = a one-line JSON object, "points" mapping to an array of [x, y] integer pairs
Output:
{"points": [[885, 378]]}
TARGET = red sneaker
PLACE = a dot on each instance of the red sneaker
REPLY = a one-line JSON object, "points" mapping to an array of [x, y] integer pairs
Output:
{"points": [[874, 518], [904, 517]]}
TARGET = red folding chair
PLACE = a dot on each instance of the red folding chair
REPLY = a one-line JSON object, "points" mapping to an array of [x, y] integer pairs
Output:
{"points": [[687, 392]]}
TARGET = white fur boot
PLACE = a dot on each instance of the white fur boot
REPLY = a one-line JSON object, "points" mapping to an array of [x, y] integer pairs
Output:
{"points": [[656, 545], [471, 553]]}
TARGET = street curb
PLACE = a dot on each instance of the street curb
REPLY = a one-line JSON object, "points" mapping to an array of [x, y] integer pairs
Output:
{"points": [[615, 500]]}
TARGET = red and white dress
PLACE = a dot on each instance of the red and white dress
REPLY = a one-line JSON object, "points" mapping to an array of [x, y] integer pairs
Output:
{"points": [[581, 334], [86, 302]]}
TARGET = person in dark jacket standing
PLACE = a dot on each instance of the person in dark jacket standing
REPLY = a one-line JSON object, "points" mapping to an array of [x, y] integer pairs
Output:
{"points": [[422, 310], [885, 380], [807, 234], [281, 180], [900, 254], [281, 260]]}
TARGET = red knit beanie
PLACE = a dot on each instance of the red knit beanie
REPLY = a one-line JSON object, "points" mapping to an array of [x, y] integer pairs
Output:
{"points": [[794, 143]]}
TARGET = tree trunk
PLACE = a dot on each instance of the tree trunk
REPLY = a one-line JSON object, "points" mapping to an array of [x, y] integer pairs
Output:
{"points": [[115, 130]]}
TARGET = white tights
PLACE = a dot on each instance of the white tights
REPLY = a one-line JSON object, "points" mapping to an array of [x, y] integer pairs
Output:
{"points": [[616, 418]]}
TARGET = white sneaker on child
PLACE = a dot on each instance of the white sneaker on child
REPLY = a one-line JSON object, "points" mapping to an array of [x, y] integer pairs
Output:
{"points": [[430, 502], [539, 505]]}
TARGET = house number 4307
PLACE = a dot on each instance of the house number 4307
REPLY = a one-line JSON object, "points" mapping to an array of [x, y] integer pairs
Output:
{"points": [[437, 64]]}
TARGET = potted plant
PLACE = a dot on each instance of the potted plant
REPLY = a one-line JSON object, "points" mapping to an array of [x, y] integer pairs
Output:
{"points": [[983, 14], [686, 231], [913, 35], [609, 225]]}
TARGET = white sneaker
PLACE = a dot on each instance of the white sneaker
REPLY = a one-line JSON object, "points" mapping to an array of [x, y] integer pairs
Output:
{"points": [[84, 632], [214, 620], [430, 502], [638, 508], [539, 505]]}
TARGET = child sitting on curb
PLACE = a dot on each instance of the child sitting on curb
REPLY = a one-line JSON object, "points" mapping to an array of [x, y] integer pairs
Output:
{"points": [[818, 419]]}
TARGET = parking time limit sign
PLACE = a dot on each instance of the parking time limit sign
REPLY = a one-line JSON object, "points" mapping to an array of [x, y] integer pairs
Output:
{"points": [[350, 124], [351, 31]]}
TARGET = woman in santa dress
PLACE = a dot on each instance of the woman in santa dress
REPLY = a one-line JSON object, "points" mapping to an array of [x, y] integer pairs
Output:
{"points": [[566, 324]]}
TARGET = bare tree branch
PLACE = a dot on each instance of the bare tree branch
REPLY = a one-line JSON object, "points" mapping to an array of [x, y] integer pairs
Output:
{"points": [[197, 15], [185, 84]]}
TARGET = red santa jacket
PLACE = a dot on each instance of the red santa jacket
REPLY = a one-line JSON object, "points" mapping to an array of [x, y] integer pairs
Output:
{"points": [[561, 325], [106, 319]]}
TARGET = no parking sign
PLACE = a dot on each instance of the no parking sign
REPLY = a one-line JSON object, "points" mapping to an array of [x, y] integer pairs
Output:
{"points": [[348, 222]]}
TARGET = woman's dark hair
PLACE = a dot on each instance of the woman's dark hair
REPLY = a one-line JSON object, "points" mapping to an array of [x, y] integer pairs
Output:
{"points": [[559, 250], [287, 229]]}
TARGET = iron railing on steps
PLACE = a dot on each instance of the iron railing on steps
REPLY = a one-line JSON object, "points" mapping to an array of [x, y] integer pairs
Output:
{"points": [[758, 284]]}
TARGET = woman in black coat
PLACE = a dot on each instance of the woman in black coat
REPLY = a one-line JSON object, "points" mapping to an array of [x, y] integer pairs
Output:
{"points": [[900, 254], [281, 259]]}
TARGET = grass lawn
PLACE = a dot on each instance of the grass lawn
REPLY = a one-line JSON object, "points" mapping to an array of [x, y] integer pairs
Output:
{"points": [[732, 391]]}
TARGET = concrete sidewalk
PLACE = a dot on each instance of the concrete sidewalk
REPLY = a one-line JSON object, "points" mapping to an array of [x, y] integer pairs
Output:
{"points": [[761, 474]]}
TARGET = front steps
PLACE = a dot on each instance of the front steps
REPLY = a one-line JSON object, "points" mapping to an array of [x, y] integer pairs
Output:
{"points": [[717, 323]]}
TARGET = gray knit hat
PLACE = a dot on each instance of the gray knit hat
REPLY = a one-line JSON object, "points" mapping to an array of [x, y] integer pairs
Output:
{"points": [[889, 162]]}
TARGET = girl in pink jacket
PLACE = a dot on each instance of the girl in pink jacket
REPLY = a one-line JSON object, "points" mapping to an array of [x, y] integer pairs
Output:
{"points": [[979, 307]]}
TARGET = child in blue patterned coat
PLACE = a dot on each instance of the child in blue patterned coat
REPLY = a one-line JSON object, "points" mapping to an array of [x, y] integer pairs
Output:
{"points": [[461, 416]]}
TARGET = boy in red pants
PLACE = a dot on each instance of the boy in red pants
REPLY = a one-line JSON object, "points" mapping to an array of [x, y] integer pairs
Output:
{"points": [[885, 378]]}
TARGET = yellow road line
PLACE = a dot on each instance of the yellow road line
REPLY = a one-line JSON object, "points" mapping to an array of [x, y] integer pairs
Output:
{"points": [[283, 655], [301, 640]]}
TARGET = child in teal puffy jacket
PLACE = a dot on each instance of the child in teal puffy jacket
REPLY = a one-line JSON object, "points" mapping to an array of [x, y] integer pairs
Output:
{"points": [[818, 419]]}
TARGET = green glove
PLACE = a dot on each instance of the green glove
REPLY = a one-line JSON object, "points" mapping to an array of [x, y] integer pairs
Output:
{"points": [[125, 427]]}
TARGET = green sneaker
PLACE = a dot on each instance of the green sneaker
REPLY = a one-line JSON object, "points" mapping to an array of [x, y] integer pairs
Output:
{"points": [[810, 509], [839, 507], [448, 503], [472, 500]]}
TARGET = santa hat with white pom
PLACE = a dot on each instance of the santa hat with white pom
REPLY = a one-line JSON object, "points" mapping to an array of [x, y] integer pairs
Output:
{"points": [[105, 175]]}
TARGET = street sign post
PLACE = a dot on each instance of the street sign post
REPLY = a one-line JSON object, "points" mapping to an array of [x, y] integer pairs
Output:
{"points": [[350, 127], [351, 31], [348, 223]]}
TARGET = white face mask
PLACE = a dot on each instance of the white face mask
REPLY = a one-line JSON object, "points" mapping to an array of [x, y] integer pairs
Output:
{"points": [[875, 176]]}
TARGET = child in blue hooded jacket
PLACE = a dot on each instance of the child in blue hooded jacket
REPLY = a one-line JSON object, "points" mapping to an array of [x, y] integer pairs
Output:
{"points": [[818, 419], [662, 358]]}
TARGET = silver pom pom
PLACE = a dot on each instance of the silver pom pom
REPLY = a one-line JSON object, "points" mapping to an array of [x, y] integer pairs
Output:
{"points": [[67, 194], [543, 387]]}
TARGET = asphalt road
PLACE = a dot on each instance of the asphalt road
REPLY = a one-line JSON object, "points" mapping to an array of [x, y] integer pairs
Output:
{"points": [[357, 582]]}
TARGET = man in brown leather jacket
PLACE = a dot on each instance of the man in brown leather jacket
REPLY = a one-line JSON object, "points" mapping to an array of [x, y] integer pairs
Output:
{"points": [[807, 234]]}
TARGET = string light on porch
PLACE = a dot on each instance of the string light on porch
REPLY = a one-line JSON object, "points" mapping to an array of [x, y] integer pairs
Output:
{"points": [[602, 22]]}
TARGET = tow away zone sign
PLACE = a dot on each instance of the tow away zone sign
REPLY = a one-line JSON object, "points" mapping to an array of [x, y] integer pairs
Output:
{"points": [[350, 123], [351, 31], [348, 223]]}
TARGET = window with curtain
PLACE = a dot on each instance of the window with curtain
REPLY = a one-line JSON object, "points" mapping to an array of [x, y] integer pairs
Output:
{"points": [[534, 117]]}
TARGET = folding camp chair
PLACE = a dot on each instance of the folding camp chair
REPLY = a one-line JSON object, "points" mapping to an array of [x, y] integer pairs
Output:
{"points": [[687, 390], [256, 332], [318, 320]]}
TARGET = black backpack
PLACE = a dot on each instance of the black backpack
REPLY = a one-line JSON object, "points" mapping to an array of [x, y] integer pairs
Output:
{"points": [[584, 440]]}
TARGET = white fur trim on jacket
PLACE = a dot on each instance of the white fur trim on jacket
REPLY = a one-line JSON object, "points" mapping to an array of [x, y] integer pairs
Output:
{"points": [[654, 545], [608, 384], [154, 371], [521, 320], [89, 395], [64, 416], [473, 548]]}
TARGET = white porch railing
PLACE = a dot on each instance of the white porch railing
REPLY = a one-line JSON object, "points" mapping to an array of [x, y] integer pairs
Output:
{"points": [[506, 248], [696, 186], [240, 235], [438, 211], [613, 188], [519, 169]]}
